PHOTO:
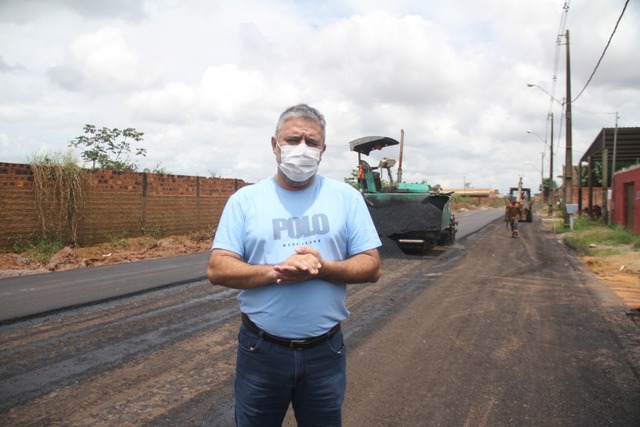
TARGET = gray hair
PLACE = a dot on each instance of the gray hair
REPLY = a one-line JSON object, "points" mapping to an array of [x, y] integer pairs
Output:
{"points": [[304, 112]]}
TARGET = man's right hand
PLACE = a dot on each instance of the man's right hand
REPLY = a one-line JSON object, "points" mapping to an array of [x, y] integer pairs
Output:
{"points": [[301, 266]]}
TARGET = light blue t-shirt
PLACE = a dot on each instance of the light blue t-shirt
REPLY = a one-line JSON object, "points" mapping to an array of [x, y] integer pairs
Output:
{"points": [[264, 223]]}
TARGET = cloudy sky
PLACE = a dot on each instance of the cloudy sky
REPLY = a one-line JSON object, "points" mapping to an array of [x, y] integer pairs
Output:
{"points": [[206, 80]]}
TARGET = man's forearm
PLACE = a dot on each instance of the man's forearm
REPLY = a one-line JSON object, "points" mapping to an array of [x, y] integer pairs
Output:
{"points": [[231, 272], [360, 268]]}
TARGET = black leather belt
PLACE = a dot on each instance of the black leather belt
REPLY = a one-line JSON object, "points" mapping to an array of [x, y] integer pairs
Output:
{"points": [[297, 344]]}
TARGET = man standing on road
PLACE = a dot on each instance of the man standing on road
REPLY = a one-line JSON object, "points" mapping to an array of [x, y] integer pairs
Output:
{"points": [[514, 212], [291, 243]]}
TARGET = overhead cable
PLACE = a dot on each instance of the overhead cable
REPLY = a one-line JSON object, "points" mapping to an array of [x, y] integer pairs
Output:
{"points": [[603, 52]]}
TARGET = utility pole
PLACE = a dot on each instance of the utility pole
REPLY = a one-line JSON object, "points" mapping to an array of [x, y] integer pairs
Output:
{"points": [[551, 190], [399, 177], [568, 175], [613, 164], [615, 142], [542, 178]]}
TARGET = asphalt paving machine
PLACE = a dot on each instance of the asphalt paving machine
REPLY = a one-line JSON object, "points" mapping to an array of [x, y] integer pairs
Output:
{"points": [[413, 215]]}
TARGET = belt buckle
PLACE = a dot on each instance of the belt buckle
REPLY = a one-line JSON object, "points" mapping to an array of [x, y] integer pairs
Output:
{"points": [[297, 344]]}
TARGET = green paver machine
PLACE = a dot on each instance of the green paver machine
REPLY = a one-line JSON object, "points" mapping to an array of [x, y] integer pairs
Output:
{"points": [[414, 216]]}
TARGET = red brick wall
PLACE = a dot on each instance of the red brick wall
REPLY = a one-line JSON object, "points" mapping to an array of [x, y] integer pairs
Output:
{"points": [[116, 204], [17, 202], [596, 198]]}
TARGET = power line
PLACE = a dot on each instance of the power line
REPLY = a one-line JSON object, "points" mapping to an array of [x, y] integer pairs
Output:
{"points": [[603, 52], [556, 63]]}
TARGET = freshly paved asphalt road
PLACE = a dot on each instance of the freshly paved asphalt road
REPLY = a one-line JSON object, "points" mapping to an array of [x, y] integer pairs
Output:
{"points": [[25, 296], [492, 331]]}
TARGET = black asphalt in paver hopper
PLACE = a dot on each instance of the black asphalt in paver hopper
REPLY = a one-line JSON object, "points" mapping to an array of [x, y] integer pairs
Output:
{"points": [[409, 214]]}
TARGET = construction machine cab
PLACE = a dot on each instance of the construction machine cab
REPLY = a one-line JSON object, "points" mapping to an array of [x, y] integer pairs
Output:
{"points": [[369, 177]]}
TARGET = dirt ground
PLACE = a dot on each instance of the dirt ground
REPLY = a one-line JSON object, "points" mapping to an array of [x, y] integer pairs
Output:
{"points": [[123, 250], [622, 274]]}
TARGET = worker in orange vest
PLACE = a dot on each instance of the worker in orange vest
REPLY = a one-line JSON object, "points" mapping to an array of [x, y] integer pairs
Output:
{"points": [[514, 213]]}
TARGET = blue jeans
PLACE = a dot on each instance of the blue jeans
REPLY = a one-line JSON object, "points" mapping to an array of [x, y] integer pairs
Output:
{"points": [[270, 376]]}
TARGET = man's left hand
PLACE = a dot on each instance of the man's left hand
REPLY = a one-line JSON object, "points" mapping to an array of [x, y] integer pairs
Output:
{"points": [[302, 265]]}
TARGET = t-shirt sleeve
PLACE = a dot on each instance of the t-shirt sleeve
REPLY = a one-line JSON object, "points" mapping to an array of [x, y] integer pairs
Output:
{"points": [[362, 232], [230, 232]]}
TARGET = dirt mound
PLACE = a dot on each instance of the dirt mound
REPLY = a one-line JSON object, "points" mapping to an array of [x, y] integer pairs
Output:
{"points": [[619, 267], [124, 250]]}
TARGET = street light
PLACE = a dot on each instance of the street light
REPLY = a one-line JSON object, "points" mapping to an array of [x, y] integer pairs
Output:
{"points": [[541, 170], [550, 200], [550, 96], [539, 137], [534, 166]]}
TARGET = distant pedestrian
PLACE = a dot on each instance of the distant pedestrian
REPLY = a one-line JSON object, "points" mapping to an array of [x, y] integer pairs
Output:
{"points": [[514, 213]]}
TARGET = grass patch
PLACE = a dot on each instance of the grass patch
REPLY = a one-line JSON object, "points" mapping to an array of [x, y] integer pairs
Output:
{"points": [[39, 249], [155, 232], [202, 235], [592, 237], [117, 241], [120, 242], [59, 193]]}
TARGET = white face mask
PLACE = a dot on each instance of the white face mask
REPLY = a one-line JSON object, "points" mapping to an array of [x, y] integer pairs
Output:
{"points": [[299, 162]]}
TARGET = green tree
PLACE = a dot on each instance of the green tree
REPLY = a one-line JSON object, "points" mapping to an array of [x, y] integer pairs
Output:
{"points": [[597, 172], [596, 175], [353, 179], [109, 148], [546, 184]]}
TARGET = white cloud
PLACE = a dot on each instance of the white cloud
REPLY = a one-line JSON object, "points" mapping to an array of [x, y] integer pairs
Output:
{"points": [[100, 63], [14, 113], [206, 81], [226, 92], [173, 103]]}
